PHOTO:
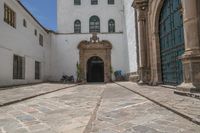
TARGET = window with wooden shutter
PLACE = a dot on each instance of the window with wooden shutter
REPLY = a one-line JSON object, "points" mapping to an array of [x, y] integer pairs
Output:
{"points": [[9, 16]]}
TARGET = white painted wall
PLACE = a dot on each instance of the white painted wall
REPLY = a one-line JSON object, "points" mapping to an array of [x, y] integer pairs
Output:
{"points": [[67, 13], [131, 35], [64, 50], [65, 54], [21, 41], [59, 54]]}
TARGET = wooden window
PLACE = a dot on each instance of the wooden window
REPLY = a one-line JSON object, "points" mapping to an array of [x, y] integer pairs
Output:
{"points": [[111, 2], [18, 67], [94, 2], [9, 16], [94, 24], [24, 23], [77, 26], [37, 70], [41, 40], [35, 32], [111, 25], [77, 2]]}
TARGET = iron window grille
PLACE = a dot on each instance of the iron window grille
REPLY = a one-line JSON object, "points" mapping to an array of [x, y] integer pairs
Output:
{"points": [[94, 2], [111, 25], [18, 67], [77, 26], [111, 2], [77, 2], [94, 24], [37, 70]]}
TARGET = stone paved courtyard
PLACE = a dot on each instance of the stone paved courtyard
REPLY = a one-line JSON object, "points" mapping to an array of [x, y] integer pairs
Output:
{"points": [[92, 108]]}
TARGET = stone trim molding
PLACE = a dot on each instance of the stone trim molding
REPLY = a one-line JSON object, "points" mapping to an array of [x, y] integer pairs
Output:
{"points": [[148, 14], [95, 47]]}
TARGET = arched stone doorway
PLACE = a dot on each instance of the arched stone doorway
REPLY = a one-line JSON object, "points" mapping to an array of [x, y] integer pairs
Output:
{"points": [[160, 30], [95, 55], [171, 38], [152, 44], [95, 69]]}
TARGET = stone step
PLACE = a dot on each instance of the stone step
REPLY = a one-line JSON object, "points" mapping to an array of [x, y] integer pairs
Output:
{"points": [[189, 94]]}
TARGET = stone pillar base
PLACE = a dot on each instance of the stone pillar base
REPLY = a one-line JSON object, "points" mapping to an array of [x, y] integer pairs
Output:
{"points": [[142, 82], [188, 87], [191, 71], [155, 83], [143, 76], [134, 77]]}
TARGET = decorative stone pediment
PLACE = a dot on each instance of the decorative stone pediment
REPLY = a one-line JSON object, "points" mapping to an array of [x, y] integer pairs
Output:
{"points": [[95, 43], [95, 48]]}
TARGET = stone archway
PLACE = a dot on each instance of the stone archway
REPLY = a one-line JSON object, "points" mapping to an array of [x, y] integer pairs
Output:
{"points": [[95, 48], [148, 15], [171, 37], [95, 69], [154, 17], [156, 58]]}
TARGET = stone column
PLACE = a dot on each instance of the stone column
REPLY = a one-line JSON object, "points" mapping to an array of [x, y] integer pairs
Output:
{"points": [[191, 57], [141, 7], [82, 71]]}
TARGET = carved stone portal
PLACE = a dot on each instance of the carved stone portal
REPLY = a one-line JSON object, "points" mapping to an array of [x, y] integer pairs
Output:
{"points": [[95, 48]]}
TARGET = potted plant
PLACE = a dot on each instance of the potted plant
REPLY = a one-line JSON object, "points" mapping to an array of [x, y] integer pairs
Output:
{"points": [[78, 72]]}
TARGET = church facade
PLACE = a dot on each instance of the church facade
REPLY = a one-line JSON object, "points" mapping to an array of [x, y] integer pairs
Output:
{"points": [[169, 42], [91, 39]]}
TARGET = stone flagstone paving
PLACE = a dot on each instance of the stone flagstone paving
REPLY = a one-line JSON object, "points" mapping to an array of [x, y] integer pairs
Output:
{"points": [[16, 93], [124, 112], [165, 96], [66, 111], [92, 108]]}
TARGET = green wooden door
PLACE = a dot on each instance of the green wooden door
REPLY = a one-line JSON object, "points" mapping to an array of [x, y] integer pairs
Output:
{"points": [[171, 42]]}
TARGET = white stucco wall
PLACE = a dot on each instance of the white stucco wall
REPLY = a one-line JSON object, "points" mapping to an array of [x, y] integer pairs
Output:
{"points": [[64, 52], [21, 41], [67, 13], [59, 54], [131, 35]]}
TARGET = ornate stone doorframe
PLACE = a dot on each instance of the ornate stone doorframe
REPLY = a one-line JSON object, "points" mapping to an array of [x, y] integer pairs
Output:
{"points": [[148, 14], [94, 47]]}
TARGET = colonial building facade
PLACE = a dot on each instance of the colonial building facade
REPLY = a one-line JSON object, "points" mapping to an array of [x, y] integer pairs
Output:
{"points": [[169, 42], [77, 20], [24, 46], [91, 36]]}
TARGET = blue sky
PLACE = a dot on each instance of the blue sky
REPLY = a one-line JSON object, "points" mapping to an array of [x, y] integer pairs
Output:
{"points": [[44, 11]]}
